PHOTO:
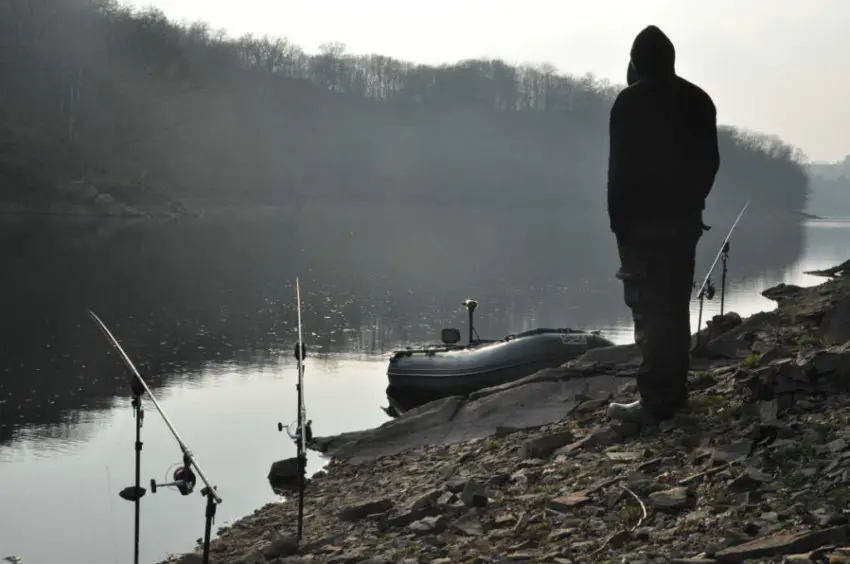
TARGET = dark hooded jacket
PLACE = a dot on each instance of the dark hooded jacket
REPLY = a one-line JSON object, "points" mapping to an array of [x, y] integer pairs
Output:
{"points": [[663, 154]]}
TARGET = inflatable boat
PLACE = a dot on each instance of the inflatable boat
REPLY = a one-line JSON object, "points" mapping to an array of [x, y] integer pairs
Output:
{"points": [[450, 368]]}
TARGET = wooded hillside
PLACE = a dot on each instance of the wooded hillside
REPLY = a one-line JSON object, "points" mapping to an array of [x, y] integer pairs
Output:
{"points": [[145, 108]]}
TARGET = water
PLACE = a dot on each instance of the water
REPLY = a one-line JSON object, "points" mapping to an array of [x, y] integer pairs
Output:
{"points": [[205, 309]]}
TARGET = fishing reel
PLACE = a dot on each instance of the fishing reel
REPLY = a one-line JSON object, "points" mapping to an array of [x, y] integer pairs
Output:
{"points": [[137, 388], [710, 290], [296, 436], [183, 479], [300, 353]]}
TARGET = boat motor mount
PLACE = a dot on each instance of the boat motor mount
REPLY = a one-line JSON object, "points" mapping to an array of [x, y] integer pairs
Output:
{"points": [[470, 306]]}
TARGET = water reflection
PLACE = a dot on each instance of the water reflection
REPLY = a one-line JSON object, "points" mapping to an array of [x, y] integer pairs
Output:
{"points": [[184, 294], [230, 424], [208, 318]]}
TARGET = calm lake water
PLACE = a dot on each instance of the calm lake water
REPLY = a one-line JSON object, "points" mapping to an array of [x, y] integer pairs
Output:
{"points": [[205, 308]]}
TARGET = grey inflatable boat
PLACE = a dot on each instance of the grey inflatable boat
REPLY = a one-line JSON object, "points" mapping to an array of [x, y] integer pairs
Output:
{"points": [[453, 369]]}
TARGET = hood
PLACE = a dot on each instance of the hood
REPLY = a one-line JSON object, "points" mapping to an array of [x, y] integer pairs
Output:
{"points": [[631, 74], [653, 54]]}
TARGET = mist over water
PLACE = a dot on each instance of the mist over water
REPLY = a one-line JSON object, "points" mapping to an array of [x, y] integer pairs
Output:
{"points": [[206, 310]]}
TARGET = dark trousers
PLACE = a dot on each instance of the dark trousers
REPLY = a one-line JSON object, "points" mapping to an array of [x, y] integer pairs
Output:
{"points": [[657, 269]]}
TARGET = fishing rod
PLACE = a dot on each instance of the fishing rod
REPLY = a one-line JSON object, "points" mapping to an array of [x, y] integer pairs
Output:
{"points": [[184, 479], [303, 430], [707, 290]]}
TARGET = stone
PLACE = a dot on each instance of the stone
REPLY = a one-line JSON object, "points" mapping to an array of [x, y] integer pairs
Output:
{"points": [[626, 456], [474, 495], [835, 323], [542, 447], [363, 509], [469, 525], [836, 446], [428, 498], [281, 545], [768, 458], [783, 543], [590, 406], [436, 524], [674, 498], [602, 436], [408, 517], [456, 485], [284, 472], [750, 479], [565, 502], [446, 498], [732, 452], [189, 558]]}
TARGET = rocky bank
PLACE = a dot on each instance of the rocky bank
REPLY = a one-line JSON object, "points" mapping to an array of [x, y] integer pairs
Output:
{"points": [[755, 470]]}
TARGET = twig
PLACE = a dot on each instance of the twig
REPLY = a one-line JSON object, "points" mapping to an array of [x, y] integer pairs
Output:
{"points": [[642, 507], [710, 472], [611, 537]]}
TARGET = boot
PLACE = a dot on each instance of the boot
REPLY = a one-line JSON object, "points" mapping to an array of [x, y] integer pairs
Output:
{"points": [[633, 412]]}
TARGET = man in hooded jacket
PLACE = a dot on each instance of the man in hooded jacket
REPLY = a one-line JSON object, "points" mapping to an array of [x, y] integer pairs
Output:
{"points": [[662, 163]]}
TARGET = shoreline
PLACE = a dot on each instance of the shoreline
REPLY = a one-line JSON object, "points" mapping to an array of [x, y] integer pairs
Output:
{"points": [[753, 469]]}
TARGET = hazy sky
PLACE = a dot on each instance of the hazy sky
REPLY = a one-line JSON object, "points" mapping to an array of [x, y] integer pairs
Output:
{"points": [[776, 66]]}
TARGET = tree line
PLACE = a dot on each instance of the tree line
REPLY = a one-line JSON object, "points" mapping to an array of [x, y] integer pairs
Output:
{"points": [[830, 186], [147, 108]]}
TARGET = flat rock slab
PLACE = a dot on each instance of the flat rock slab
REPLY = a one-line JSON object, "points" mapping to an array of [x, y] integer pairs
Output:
{"points": [[784, 543], [457, 419]]}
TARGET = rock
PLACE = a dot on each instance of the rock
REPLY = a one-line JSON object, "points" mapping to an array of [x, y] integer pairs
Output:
{"points": [[408, 517], [675, 498], [798, 559], [435, 524], [362, 510], [446, 498], [499, 480], [784, 543], [781, 292], [456, 485], [766, 448], [428, 498], [732, 452], [836, 446], [542, 447], [281, 545], [189, 558], [548, 399], [469, 525], [602, 436], [835, 323], [750, 479], [473, 495], [104, 200], [565, 502], [702, 381], [284, 472], [625, 456], [590, 406], [735, 342], [833, 361], [770, 355]]}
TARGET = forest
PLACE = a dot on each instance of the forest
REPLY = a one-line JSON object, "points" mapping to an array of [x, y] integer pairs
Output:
{"points": [[830, 188], [147, 109]]}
